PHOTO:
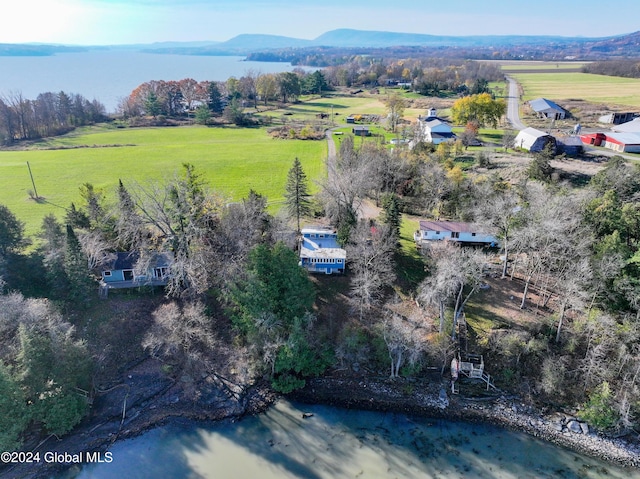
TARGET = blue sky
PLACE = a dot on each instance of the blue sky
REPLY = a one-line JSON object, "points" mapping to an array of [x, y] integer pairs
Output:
{"points": [[93, 22]]}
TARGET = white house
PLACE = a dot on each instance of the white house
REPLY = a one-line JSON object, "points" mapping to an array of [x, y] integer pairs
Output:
{"points": [[435, 130], [547, 109], [320, 251], [463, 233], [533, 140]]}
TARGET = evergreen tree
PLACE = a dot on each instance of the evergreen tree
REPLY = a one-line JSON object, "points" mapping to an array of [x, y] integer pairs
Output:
{"points": [[75, 266], [11, 231], [76, 217], [214, 102], [13, 419], [391, 213], [297, 193], [152, 105]]}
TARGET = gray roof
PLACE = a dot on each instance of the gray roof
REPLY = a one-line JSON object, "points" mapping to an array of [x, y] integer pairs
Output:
{"points": [[542, 104], [632, 126]]}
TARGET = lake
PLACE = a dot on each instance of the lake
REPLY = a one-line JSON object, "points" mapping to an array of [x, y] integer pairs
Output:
{"points": [[110, 75], [340, 443]]}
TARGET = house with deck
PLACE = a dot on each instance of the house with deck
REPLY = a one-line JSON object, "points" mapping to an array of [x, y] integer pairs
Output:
{"points": [[461, 233], [320, 251], [126, 270]]}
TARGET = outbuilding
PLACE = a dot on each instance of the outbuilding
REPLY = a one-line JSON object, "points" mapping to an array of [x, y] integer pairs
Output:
{"points": [[534, 140], [547, 109]]}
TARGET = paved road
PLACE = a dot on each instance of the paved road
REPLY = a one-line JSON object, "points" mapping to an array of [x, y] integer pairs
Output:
{"points": [[513, 105]]}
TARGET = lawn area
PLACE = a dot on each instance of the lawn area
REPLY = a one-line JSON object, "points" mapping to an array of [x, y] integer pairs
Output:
{"points": [[233, 160], [516, 66], [341, 106], [583, 86], [410, 263]]}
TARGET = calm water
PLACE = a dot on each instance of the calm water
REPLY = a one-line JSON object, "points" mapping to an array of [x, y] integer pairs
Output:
{"points": [[337, 443], [109, 76]]}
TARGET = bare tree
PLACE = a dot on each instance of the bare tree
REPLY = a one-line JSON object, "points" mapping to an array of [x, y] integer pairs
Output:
{"points": [[458, 274], [183, 334], [370, 252], [405, 340]]}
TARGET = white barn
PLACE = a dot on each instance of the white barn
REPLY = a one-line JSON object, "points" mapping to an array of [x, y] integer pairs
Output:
{"points": [[533, 140], [547, 109], [463, 233], [632, 126]]}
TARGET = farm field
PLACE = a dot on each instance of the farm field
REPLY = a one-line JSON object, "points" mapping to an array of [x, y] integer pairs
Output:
{"points": [[525, 66], [342, 106], [583, 86], [232, 160]]}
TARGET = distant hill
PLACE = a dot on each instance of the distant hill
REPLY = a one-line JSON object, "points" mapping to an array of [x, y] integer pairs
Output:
{"points": [[478, 46], [362, 38]]}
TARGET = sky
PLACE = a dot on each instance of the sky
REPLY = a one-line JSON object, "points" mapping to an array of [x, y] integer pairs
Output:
{"points": [[108, 22]]}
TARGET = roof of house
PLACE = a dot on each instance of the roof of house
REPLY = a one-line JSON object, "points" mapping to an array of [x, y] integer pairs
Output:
{"points": [[451, 226], [360, 127], [128, 259], [438, 134], [632, 126], [542, 104], [432, 122]]}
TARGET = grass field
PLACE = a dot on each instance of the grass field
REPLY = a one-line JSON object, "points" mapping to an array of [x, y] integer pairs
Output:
{"points": [[583, 86], [232, 160]]}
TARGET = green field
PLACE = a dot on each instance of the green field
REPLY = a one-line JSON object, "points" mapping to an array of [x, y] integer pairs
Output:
{"points": [[233, 161], [582, 86]]}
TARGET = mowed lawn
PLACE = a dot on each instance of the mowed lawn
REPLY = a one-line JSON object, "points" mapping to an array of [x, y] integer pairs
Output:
{"points": [[232, 160], [583, 86]]}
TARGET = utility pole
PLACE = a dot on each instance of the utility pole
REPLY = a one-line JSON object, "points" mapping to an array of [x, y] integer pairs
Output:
{"points": [[35, 191]]}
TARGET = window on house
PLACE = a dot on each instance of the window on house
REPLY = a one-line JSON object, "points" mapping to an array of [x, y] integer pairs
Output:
{"points": [[106, 274], [437, 232], [455, 234], [473, 234]]}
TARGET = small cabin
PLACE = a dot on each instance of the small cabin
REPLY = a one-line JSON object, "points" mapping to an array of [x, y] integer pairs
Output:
{"points": [[127, 271]]}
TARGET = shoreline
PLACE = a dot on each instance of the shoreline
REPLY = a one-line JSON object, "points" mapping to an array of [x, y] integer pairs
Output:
{"points": [[168, 403], [385, 396]]}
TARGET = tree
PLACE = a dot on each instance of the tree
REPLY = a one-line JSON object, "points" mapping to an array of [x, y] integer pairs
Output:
{"points": [[81, 287], [272, 306], [455, 276], [480, 108], [289, 86], [405, 340], [500, 215], [395, 105], [203, 115], [297, 194], [11, 231], [508, 139], [370, 252], [14, 418], [214, 100], [267, 87], [540, 168], [234, 112], [183, 334], [390, 214], [152, 105]]}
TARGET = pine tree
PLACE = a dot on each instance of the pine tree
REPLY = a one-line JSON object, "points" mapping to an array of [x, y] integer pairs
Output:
{"points": [[297, 193], [75, 266]]}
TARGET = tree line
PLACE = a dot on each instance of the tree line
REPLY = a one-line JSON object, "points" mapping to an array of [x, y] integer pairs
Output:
{"points": [[47, 115], [618, 68]]}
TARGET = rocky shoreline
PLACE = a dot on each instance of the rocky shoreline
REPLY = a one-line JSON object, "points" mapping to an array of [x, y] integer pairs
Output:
{"points": [[150, 400], [433, 400]]}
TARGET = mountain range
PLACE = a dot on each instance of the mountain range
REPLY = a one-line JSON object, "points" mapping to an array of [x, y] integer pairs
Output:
{"points": [[627, 45]]}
